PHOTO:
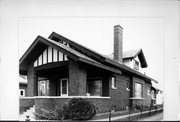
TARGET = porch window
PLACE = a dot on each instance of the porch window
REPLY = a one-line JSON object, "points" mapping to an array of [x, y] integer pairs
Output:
{"points": [[64, 87], [138, 90], [94, 87], [43, 88]]}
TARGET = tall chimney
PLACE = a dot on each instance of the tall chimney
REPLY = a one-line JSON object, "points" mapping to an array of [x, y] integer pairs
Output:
{"points": [[118, 44]]}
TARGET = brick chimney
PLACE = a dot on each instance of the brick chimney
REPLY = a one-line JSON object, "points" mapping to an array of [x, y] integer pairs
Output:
{"points": [[118, 44]]}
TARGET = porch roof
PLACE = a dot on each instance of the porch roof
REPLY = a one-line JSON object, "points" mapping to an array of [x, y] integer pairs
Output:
{"points": [[41, 43]]}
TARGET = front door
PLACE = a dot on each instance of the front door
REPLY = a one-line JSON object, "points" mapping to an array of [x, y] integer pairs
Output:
{"points": [[64, 87]]}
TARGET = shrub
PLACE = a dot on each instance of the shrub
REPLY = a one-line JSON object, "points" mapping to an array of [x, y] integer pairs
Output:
{"points": [[51, 114], [138, 107], [79, 109]]}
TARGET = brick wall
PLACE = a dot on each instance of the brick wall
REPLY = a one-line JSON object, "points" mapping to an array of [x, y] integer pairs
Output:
{"points": [[52, 87], [77, 79], [147, 98], [103, 104], [120, 96], [32, 81]]}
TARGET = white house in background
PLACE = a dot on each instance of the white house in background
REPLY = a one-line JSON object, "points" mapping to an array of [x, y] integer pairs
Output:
{"points": [[22, 85], [159, 94], [160, 98]]}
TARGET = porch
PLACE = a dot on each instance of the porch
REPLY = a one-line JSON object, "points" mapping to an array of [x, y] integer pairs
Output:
{"points": [[68, 78]]}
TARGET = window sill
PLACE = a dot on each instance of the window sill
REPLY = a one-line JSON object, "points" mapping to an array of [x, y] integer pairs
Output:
{"points": [[114, 87], [46, 97], [137, 98], [127, 89]]}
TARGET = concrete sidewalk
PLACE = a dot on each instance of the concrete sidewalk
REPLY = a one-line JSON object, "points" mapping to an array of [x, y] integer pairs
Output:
{"points": [[156, 117], [125, 116]]}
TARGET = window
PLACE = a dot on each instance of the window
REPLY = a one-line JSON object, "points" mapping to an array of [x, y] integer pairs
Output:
{"points": [[22, 92], [43, 88], [113, 81], [64, 87], [127, 88], [148, 91], [138, 90], [94, 87], [153, 94], [136, 65]]}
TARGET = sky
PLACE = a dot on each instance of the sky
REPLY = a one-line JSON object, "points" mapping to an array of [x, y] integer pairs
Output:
{"points": [[97, 34]]}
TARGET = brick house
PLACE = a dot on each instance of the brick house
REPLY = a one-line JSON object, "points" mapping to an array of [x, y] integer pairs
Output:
{"points": [[58, 69]]}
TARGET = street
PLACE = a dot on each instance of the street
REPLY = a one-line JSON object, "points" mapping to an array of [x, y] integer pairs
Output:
{"points": [[156, 117]]}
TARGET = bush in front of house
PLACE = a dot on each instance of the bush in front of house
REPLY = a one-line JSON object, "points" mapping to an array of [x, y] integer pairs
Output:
{"points": [[50, 114], [79, 109]]}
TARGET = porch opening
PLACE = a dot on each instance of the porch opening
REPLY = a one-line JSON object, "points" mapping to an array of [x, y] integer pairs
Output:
{"points": [[94, 87]]}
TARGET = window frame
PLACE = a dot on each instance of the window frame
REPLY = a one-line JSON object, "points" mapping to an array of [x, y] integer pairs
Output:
{"points": [[47, 87], [136, 66], [92, 82], [128, 87], [66, 87], [113, 85], [135, 91]]}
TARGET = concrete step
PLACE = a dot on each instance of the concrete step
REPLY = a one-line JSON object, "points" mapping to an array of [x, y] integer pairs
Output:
{"points": [[29, 112]]}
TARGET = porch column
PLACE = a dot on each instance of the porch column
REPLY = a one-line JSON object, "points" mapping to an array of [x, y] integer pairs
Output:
{"points": [[32, 87], [77, 79]]}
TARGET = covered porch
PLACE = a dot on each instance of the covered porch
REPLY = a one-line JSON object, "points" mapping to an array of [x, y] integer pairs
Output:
{"points": [[68, 78]]}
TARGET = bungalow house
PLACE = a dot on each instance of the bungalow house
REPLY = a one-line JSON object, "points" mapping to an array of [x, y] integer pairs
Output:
{"points": [[58, 68]]}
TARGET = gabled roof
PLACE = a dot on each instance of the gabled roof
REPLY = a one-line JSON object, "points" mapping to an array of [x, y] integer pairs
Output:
{"points": [[75, 51], [133, 54], [101, 58], [41, 43], [130, 54]]}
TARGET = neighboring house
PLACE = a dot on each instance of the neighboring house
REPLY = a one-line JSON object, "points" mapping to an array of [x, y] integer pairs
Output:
{"points": [[22, 86], [153, 95], [60, 69], [159, 97]]}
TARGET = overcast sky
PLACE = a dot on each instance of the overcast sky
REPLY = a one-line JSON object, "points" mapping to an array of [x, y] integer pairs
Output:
{"points": [[97, 34]]}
